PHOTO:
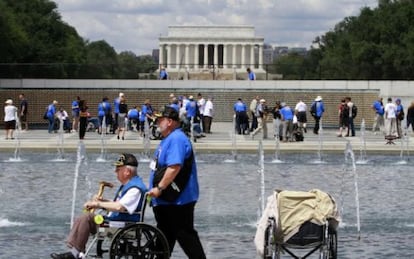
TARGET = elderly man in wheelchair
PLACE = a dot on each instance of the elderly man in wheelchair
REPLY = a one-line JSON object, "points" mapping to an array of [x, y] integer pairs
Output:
{"points": [[122, 229]]}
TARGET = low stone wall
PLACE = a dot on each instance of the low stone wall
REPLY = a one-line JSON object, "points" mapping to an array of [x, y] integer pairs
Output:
{"points": [[40, 93]]}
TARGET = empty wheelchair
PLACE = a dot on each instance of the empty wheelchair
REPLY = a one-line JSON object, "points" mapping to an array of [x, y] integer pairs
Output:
{"points": [[298, 221], [129, 240]]}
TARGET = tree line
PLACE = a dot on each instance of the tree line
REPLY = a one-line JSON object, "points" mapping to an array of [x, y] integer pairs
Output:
{"points": [[35, 42], [376, 45]]}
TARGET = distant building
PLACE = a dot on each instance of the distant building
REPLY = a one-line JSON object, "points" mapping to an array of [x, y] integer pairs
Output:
{"points": [[228, 48]]}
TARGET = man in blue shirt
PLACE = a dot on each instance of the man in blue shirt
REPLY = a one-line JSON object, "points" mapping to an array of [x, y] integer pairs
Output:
{"points": [[287, 122], [251, 74], [378, 107], [176, 191], [163, 74], [242, 121], [128, 200], [75, 113], [317, 110]]}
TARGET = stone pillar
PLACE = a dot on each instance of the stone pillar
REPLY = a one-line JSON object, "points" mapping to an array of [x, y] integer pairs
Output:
{"points": [[252, 56], [233, 55], [161, 56], [225, 55], [187, 55], [168, 55], [260, 56], [243, 57], [196, 56], [177, 56], [215, 55], [205, 55]]}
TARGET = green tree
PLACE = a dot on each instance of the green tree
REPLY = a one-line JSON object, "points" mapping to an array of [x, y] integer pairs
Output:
{"points": [[102, 60]]}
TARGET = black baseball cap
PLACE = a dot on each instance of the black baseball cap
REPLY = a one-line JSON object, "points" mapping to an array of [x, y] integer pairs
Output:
{"points": [[126, 159], [169, 112]]}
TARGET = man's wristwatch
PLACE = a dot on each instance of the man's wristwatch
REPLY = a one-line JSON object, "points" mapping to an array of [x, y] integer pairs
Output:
{"points": [[160, 188]]}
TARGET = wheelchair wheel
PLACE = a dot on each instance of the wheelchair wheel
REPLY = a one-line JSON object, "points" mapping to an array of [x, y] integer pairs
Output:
{"points": [[139, 241], [270, 246], [333, 245]]}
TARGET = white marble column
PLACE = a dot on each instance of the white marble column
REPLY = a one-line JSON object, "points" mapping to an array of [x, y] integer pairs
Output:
{"points": [[187, 55], [252, 56], [205, 55], [243, 57], [177, 56], [225, 55], [168, 55], [233, 55], [260, 56], [216, 55], [196, 56], [161, 56]]}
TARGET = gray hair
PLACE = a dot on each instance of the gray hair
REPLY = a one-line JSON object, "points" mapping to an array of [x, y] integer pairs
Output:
{"points": [[133, 169]]}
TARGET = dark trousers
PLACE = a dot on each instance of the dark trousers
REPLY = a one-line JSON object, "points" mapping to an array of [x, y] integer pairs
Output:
{"points": [[254, 122], [317, 121], [351, 126], [83, 123], [115, 124], [177, 224], [242, 122], [207, 124]]}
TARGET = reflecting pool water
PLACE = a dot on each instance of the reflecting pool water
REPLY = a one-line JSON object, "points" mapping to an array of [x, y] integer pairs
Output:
{"points": [[36, 199]]}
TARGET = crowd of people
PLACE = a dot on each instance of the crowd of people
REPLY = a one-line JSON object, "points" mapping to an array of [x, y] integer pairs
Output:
{"points": [[290, 122], [117, 118]]}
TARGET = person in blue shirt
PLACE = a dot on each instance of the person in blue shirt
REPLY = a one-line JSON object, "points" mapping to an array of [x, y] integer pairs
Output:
{"points": [[378, 107], [400, 116], [163, 74], [104, 112], [133, 118], [242, 120], [286, 114], [117, 102], [317, 110], [128, 200], [51, 112], [251, 75], [75, 113], [176, 192]]}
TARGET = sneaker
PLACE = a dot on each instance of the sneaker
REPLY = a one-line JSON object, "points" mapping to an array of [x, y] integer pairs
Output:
{"points": [[67, 255]]}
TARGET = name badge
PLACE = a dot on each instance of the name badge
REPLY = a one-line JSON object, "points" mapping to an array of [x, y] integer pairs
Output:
{"points": [[153, 165]]}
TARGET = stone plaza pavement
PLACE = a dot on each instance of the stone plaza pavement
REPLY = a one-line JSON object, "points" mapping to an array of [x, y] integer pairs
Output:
{"points": [[219, 141]]}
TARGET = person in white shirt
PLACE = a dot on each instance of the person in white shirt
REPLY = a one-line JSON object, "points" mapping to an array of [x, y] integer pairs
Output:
{"points": [[10, 115], [390, 119], [300, 111], [208, 115], [201, 104]]}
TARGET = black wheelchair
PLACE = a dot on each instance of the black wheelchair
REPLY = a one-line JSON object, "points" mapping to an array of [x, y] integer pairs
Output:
{"points": [[129, 240], [311, 220]]}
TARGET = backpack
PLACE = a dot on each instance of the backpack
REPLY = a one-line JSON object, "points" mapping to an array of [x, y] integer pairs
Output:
{"points": [[354, 111], [313, 109]]}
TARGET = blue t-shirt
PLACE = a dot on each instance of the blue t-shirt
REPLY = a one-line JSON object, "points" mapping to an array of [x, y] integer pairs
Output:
{"points": [[133, 114], [173, 150], [191, 109], [378, 107], [240, 107], [287, 113]]}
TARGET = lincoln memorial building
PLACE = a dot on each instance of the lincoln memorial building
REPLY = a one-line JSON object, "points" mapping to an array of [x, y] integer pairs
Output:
{"points": [[198, 49]]}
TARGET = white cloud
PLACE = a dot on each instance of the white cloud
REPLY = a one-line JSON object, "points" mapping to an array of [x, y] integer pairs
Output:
{"points": [[136, 24]]}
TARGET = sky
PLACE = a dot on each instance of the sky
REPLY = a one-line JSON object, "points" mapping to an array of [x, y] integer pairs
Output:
{"points": [[136, 25]]}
